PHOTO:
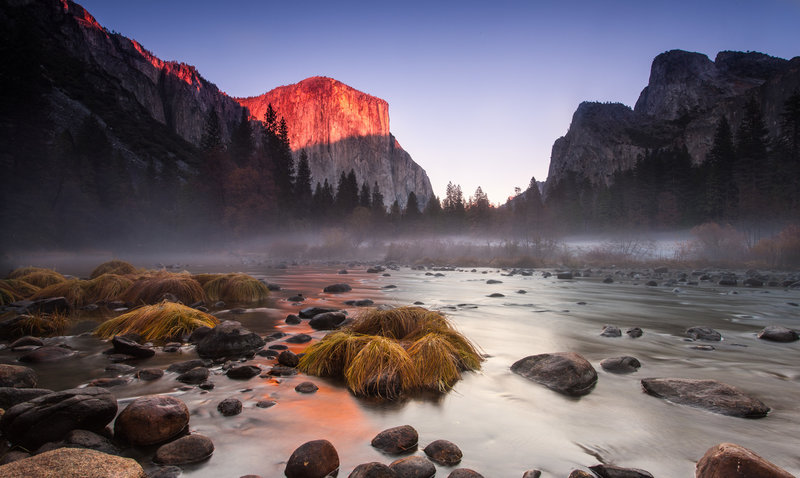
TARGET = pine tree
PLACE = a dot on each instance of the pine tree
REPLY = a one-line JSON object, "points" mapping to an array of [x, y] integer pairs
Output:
{"points": [[302, 184], [242, 146], [346, 193], [365, 196], [721, 192], [377, 199], [752, 161], [212, 134], [411, 212]]}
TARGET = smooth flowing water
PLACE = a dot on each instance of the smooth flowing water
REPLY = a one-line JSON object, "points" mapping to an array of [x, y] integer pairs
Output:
{"points": [[503, 423]]}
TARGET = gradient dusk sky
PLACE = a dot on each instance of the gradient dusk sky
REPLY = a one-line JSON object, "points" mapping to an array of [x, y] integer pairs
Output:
{"points": [[477, 91]]}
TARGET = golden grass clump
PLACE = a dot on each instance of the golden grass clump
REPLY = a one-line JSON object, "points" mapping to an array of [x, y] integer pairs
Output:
{"points": [[385, 353], [113, 267], [108, 287], [19, 288], [7, 296], [236, 288], [41, 325], [42, 278], [399, 323], [23, 271], [159, 322], [74, 290], [203, 279], [381, 368], [150, 289]]}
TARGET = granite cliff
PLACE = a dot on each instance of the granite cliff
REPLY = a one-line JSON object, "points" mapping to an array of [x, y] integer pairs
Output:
{"points": [[685, 98], [341, 128]]}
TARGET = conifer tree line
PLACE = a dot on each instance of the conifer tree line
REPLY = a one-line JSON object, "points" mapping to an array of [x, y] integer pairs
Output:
{"points": [[750, 176]]}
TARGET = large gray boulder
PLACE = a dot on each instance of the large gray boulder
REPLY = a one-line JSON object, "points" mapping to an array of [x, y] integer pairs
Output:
{"points": [[564, 372], [709, 395], [229, 339]]}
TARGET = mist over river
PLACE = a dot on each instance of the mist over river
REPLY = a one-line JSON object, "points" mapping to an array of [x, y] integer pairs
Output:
{"points": [[503, 423]]}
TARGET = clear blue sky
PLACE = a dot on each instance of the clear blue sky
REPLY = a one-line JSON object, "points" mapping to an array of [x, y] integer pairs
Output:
{"points": [[477, 91]]}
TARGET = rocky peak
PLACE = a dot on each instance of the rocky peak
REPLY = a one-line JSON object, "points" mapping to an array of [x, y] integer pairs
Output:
{"points": [[341, 128]]}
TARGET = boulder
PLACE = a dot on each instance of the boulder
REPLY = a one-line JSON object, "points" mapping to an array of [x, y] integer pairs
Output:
{"points": [[710, 395], [611, 331], [703, 333], [611, 471], [288, 358], [397, 440], [108, 382], [314, 459], [444, 453], [26, 341], [282, 371], [306, 387], [186, 365], [73, 463], [777, 333], [193, 376], [152, 419], [634, 332], [580, 474], [10, 396], [565, 372], [243, 372], [148, 374], [413, 467], [230, 407], [48, 353], [464, 473], [337, 288], [292, 319], [327, 320], [728, 460], [89, 440], [17, 376], [184, 450], [51, 417], [14, 455], [624, 364], [124, 345], [564, 275], [310, 312], [372, 470], [199, 334], [532, 474], [229, 339], [52, 305], [298, 339]]}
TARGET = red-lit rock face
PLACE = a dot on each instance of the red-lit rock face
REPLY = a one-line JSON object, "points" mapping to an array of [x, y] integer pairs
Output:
{"points": [[322, 110]]}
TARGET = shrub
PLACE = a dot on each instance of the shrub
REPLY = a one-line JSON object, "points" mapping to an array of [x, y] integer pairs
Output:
{"points": [[150, 289], [74, 290], [159, 322], [236, 288], [113, 267], [108, 287], [40, 325]]}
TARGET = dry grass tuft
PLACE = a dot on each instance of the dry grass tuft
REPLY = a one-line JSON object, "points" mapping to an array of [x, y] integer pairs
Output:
{"points": [[7, 296], [204, 279], [41, 325], [386, 353], [23, 271], [19, 288], [159, 322], [399, 323], [382, 368], [74, 290], [236, 288], [108, 287], [113, 267], [150, 289], [42, 278]]}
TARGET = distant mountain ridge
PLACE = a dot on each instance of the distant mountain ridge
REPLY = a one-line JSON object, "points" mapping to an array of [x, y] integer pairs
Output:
{"points": [[685, 98]]}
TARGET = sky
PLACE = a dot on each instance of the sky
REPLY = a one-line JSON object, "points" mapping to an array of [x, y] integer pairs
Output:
{"points": [[478, 91]]}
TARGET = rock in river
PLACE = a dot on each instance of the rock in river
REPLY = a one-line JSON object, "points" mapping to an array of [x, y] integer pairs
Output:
{"points": [[728, 460], [413, 467], [17, 376], [777, 333], [444, 453], [624, 364], [611, 471], [372, 470], [314, 459], [152, 419], [184, 450], [397, 440], [611, 331], [710, 395], [337, 288], [229, 339], [703, 333], [564, 372], [73, 463], [51, 417]]}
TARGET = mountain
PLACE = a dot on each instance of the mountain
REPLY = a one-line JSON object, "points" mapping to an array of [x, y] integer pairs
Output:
{"points": [[100, 137], [685, 98], [341, 128]]}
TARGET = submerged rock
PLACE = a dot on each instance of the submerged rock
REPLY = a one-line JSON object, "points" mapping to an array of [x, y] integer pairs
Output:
{"points": [[728, 460], [229, 339], [611, 331], [306, 387], [464, 473], [397, 440], [230, 407], [611, 471], [565, 372], [372, 470], [314, 459], [709, 395], [243, 372], [124, 345], [48, 353], [634, 332], [703, 333], [17, 376], [337, 288], [185, 450], [288, 358], [327, 320], [10, 396]]}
